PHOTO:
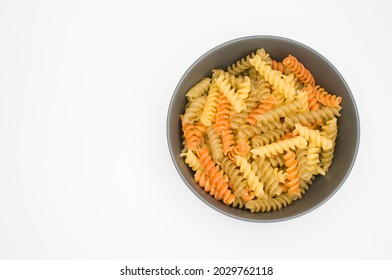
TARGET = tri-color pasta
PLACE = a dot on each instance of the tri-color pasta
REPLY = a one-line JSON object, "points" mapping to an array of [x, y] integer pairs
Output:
{"points": [[256, 135]]}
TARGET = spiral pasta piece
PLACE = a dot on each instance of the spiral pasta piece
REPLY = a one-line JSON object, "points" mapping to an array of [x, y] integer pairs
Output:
{"points": [[239, 183], [244, 88], [227, 141], [192, 160], [327, 99], [222, 122], [253, 181], [240, 66], [237, 120], [313, 104], [280, 146], [238, 202], [313, 136], [248, 131], [222, 188], [272, 204], [268, 177], [307, 119], [215, 143], [234, 80], [329, 130], [227, 89], [243, 64], [277, 65], [265, 106], [302, 98], [274, 115], [303, 164], [211, 105], [268, 137], [274, 77], [199, 89], [299, 69], [204, 181], [194, 110], [192, 136], [263, 89], [292, 182], [241, 149], [313, 157]]}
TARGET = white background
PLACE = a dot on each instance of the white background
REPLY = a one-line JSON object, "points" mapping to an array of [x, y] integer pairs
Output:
{"points": [[85, 171]]}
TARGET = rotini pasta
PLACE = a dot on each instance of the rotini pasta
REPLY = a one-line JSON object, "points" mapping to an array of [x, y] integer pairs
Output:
{"points": [[199, 89], [279, 147], [292, 182], [274, 77], [313, 136], [327, 99], [298, 69], [235, 99], [258, 134], [211, 105], [222, 121]]}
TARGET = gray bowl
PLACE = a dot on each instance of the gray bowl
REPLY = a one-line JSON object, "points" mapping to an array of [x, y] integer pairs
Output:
{"points": [[325, 74]]}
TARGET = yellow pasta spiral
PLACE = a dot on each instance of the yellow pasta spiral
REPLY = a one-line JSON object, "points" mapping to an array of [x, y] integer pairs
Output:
{"points": [[230, 93], [243, 64], [192, 160], [244, 88], [194, 110], [302, 97], [280, 146], [324, 113], [282, 111], [261, 205], [274, 77], [234, 173], [211, 105], [237, 120], [253, 181], [198, 89], [271, 184], [313, 136], [329, 130]]}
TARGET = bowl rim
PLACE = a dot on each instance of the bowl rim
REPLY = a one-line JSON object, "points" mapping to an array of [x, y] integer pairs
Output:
{"points": [[246, 38]]}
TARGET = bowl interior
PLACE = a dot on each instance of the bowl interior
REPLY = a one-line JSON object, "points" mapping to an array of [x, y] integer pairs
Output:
{"points": [[326, 76]]}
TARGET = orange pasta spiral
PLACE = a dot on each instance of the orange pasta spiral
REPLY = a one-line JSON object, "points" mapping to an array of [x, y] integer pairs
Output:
{"points": [[276, 65], [222, 122], [298, 69], [240, 150], [292, 182], [327, 99], [193, 136], [313, 104], [265, 106], [204, 181], [222, 188], [227, 141]]}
